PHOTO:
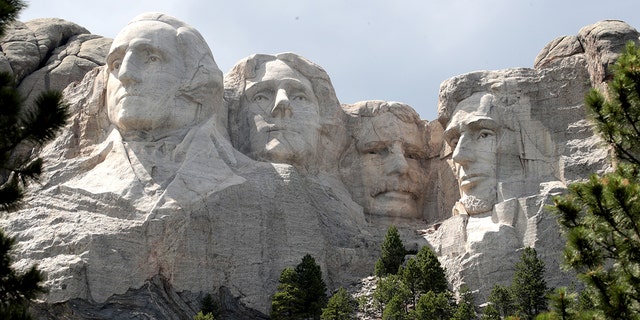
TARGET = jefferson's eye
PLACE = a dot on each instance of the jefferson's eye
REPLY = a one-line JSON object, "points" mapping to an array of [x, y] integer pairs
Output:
{"points": [[485, 134], [115, 65], [300, 97], [260, 97], [453, 142]]}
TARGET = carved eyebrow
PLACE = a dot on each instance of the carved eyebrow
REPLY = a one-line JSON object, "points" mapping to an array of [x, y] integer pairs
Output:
{"points": [[414, 149], [483, 124], [451, 133], [371, 145], [116, 52]]}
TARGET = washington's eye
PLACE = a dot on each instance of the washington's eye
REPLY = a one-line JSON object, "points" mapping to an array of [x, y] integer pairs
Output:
{"points": [[376, 150], [115, 65], [453, 142], [153, 58]]}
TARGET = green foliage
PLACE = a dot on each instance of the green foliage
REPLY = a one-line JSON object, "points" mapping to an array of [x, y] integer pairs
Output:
{"points": [[392, 254], [208, 306], [389, 288], [411, 277], [395, 309], [563, 303], [490, 313], [203, 316], [287, 302], [339, 307], [616, 119], [466, 306], [301, 292], [18, 126], [529, 288], [432, 275], [16, 289], [431, 305], [424, 273], [601, 216], [24, 128], [312, 288], [9, 10], [501, 300]]}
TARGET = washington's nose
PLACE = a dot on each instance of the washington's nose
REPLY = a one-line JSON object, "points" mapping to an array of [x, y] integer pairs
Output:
{"points": [[462, 153], [128, 71], [281, 107], [396, 162]]}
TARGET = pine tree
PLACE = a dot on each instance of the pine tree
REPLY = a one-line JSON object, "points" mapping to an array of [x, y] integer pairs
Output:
{"points": [[339, 307], [301, 293], [287, 302], [392, 254], [22, 130], [16, 289], [389, 288], [466, 307], [432, 275], [20, 127], [203, 316], [601, 216], [490, 312], [529, 287], [396, 309], [501, 300], [209, 306], [312, 287], [436, 306], [562, 303], [411, 276]]}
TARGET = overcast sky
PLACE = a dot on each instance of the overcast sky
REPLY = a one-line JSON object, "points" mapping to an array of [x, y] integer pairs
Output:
{"points": [[397, 50]]}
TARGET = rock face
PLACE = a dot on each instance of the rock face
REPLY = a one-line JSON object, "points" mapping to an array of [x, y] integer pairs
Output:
{"points": [[170, 183]]}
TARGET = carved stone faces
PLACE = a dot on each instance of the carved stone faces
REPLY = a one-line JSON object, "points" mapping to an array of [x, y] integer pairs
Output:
{"points": [[283, 115], [472, 134], [386, 174], [145, 70]]}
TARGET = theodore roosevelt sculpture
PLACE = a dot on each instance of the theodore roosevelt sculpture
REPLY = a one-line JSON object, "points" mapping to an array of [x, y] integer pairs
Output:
{"points": [[383, 167], [280, 108]]}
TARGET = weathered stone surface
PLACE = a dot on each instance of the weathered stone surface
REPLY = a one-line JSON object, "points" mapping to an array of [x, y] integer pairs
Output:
{"points": [[49, 54], [515, 138], [160, 190]]}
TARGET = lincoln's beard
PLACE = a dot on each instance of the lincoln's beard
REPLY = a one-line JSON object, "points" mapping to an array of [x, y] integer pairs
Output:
{"points": [[475, 205]]}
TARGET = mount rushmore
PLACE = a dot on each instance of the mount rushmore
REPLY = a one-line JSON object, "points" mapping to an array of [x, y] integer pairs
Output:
{"points": [[173, 180]]}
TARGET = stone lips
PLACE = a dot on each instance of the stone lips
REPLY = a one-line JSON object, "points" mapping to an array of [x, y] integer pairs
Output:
{"points": [[191, 214]]}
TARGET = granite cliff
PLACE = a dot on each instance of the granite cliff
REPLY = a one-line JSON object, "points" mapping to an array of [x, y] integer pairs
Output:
{"points": [[173, 180]]}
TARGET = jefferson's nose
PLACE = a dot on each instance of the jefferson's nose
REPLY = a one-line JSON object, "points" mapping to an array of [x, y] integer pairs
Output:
{"points": [[281, 107]]}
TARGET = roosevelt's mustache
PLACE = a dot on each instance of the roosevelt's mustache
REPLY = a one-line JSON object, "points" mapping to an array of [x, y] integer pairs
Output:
{"points": [[395, 185]]}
